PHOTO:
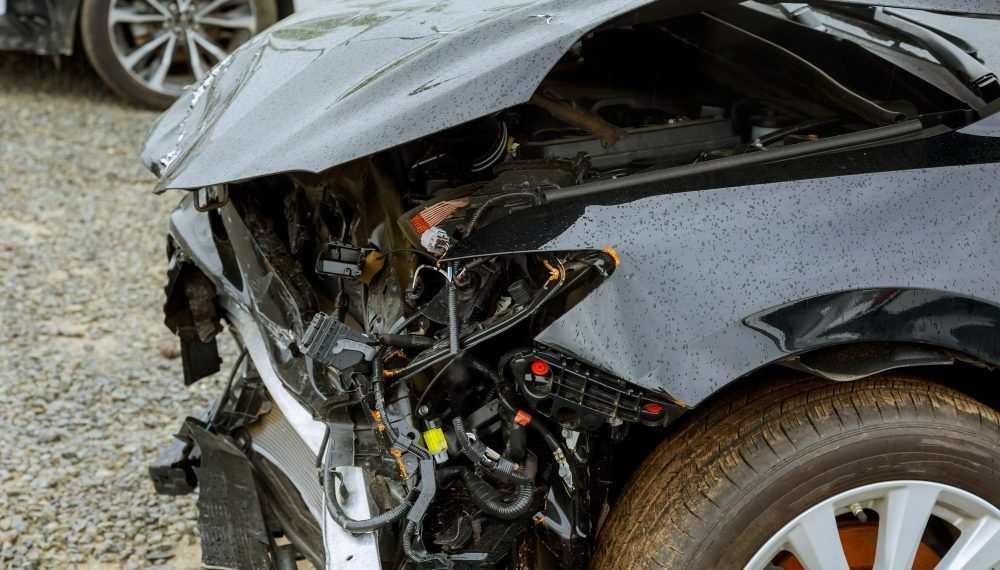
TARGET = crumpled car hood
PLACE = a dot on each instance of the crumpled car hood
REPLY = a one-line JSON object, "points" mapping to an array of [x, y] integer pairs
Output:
{"points": [[349, 78]]}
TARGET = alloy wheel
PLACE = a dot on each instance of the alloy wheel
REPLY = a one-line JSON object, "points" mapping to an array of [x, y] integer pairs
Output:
{"points": [[168, 44], [892, 525]]}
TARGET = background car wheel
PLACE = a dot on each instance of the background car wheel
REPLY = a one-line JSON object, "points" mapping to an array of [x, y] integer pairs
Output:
{"points": [[806, 474], [149, 50]]}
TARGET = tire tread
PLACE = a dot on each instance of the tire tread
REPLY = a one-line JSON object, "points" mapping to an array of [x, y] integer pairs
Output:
{"points": [[681, 490]]}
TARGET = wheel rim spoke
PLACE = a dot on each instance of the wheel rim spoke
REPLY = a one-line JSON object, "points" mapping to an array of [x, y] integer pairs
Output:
{"points": [[218, 53], [901, 525], [905, 509], [125, 16], [133, 59], [159, 7], [194, 57], [211, 7], [815, 541], [163, 65], [244, 22], [146, 34], [977, 548]]}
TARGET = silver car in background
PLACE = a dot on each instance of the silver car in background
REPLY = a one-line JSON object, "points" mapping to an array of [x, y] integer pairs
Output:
{"points": [[148, 51]]}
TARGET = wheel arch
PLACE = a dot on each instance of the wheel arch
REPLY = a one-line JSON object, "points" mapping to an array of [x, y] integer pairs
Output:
{"points": [[931, 317], [867, 329], [932, 336], [851, 335]]}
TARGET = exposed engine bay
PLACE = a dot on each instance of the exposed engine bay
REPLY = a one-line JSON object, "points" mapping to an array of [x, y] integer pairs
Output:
{"points": [[480, 447]]}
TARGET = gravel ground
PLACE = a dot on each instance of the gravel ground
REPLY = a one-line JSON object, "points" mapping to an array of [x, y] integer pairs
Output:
{"points": [[90, 382]]}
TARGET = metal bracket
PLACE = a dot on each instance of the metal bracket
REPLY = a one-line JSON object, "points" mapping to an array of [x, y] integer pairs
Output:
{"points": [[211, 197]]}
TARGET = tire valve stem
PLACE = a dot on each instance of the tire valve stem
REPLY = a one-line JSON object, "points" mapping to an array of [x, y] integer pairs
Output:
{"points": [[859, 512]]}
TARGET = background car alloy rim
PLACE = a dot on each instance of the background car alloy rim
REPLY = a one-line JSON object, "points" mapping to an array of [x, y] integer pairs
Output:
{"points": [[167, 44], [895, 525]]}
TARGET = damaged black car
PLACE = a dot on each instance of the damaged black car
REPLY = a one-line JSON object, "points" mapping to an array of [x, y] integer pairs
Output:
{"points": [[618, 284]]}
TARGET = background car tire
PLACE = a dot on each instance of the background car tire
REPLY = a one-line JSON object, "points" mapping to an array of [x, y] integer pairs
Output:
{"points": [[735, 474], [97, 42]]}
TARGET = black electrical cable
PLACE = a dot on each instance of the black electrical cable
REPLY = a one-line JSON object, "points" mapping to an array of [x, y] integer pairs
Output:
{"points": [[405, 323], [443, 560], [517, 442], [399, 511], [378, 391], [495, 503], [322, 447], [501, 468], [432, 383], [229, 386], [539, 427], [341, 303], [776, 136], [406, 340], [506, 506], [361, 526], [472, 339], [471, 226], [431, 258], [453, 332], [475, 263]]}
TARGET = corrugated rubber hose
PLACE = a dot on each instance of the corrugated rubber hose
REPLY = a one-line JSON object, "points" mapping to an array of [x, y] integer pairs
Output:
{"points": [[505, 506]]}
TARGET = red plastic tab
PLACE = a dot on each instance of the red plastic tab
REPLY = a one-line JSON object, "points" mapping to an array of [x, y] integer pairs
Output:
{"points": [[540, 368], [522, 418]]}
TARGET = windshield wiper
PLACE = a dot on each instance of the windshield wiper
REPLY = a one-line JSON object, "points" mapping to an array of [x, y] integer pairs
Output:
{"points": [[953, 55], [803, 14]]}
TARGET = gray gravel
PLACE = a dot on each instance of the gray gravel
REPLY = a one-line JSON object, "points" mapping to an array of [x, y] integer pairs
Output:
{"points": [[90, 382]]}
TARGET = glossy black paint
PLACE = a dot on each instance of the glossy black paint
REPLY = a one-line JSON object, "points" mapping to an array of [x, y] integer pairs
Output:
{"points": [[937, 318], [350, 78], [729, 271], [712, 264]]}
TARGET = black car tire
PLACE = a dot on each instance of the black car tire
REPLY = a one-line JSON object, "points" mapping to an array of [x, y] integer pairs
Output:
{"points": [[735, 474], [97, 43]]}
